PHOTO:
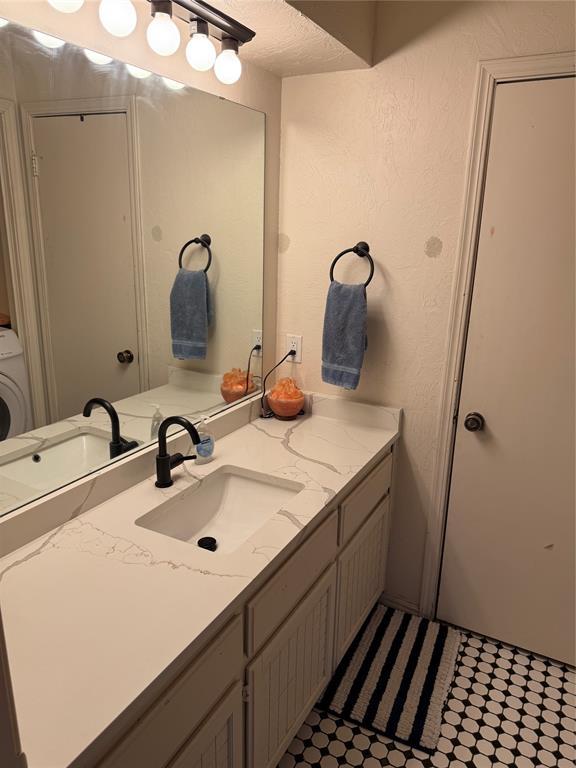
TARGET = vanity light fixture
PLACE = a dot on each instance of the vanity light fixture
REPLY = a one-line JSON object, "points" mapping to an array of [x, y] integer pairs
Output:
{"points": [[48, 41], [137, 72], [228, 66], [118, 17], [174, 85], [207, 22], [3, 22], [97, 58], [66, 6], [162, 34], [200, 51]]}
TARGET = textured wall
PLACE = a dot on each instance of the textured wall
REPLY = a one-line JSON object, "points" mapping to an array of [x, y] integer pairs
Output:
{"points": [[381, 155]]}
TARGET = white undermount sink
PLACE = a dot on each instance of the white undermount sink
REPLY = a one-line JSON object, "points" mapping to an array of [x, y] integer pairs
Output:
{"points": [[228, 505], [51, 463]]}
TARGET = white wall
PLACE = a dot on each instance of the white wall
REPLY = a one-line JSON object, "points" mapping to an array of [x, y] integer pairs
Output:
{"points": [[380, 155]]}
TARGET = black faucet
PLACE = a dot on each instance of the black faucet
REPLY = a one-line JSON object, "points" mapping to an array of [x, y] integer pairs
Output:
{"points": [[118, 445], [164, 462]]}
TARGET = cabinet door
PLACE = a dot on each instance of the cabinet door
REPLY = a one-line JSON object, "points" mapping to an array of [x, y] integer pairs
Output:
{"points": [[278, 598], [286, 678], [357, 506], [218, 741], [361, 575]]}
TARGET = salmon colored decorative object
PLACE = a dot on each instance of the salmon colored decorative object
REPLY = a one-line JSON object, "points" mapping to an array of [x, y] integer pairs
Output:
{"points": [[234, 387], [286, 399]]}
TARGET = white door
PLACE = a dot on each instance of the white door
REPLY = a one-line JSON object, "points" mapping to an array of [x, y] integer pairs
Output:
{"points": [[85, 215], [508, 567]]}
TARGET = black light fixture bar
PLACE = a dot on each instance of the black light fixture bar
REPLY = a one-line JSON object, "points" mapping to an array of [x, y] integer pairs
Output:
{"points": [[226, 25]]}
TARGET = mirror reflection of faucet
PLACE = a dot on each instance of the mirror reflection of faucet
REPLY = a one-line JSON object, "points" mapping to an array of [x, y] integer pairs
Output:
{"points": [[118, 444]]}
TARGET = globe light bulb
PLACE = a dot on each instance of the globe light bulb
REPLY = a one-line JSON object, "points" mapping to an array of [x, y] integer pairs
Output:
{"points": [[48, 41], [66, 6], [3, 22], [118, 17], [163, 35], [97, 58], [174, 85], [200, 52], [228, 67], [140, 74]]}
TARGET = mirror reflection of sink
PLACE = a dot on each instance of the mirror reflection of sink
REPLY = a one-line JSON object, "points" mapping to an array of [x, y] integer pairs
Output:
{"points": [[53, 462], [229, 505]]}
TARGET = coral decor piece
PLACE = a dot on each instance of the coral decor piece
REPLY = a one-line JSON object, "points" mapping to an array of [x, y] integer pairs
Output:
{"points": [[236, 384], [286, 399]]}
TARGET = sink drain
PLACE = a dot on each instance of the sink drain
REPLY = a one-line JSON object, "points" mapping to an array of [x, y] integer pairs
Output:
{"points": [[208, 542]]}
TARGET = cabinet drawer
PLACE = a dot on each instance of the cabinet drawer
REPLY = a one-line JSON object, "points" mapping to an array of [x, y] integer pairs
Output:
{"points": [[160, 733], [356, 508], [288, 585], [286, 678], [218, 743], [361, 576]]}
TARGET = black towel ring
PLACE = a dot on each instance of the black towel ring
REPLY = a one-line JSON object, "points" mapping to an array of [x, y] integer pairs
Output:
{"points": [[360, 249], [205, 241]]}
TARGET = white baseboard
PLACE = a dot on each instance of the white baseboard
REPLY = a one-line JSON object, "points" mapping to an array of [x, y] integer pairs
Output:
{"points": [[393, 601]]}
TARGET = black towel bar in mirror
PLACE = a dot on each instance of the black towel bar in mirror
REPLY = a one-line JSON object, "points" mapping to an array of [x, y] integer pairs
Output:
{"points": [[205, 241], [361, 249]]}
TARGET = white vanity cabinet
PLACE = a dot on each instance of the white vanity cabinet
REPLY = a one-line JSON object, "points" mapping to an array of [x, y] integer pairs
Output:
{"points": [[241, 701], [361, 576], [286, 678]]}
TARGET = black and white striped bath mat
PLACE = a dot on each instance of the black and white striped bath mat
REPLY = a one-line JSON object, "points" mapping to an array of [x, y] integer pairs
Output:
{"points": [[395, 677]]}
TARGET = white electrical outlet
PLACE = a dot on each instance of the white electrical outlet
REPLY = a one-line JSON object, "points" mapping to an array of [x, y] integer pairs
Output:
{"points": [[295, 343], [257, 339]]}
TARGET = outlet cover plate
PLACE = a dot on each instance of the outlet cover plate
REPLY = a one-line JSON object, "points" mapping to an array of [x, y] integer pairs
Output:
{"points": [[294, 342], [257, 339]]}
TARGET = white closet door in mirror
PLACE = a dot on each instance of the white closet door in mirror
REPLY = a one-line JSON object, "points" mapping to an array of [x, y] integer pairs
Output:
{"points": [[84, 205]]}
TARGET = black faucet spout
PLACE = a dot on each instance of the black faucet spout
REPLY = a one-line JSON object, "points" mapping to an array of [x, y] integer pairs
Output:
{"points": [[118, 445], [164, 462], [110, 410]]}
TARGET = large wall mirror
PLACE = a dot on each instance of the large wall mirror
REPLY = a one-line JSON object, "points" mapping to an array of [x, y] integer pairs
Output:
{"points": [[142, 283]]}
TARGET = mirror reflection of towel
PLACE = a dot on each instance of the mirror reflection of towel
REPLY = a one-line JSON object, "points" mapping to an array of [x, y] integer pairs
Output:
{"points": [[190, 314], [344, 339]]}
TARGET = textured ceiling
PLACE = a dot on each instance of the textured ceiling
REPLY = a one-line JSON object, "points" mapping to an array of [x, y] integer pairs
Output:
{"points": [[287, 42]]}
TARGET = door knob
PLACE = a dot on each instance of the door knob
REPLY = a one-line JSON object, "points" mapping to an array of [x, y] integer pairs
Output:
{"points": [[474, 422], [125, 357]]}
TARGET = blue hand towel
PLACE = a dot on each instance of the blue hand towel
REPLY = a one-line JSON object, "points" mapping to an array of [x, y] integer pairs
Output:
{"points": [[344, 339], [190, 315]]}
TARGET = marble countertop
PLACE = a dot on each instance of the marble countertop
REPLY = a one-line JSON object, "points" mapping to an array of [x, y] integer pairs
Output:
{"points": [[97, 609]]}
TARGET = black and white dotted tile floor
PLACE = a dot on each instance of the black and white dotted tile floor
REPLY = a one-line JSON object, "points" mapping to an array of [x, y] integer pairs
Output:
{"points": [[505, 708]]}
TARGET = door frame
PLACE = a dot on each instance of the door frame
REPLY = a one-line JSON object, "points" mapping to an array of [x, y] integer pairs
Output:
{"points": [[106, 105], [489, 75], [19, 252]]}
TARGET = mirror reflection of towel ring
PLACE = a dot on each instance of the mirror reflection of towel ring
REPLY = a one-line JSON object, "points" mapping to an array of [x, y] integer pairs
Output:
{"points": [[205, 241], [361, 249]]}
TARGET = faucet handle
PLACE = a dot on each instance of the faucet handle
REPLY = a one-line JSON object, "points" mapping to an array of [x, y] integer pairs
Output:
{"points": [[177, 459]]}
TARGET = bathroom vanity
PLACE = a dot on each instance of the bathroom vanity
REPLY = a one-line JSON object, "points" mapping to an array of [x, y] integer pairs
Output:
{"points": [[131, 646]]}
